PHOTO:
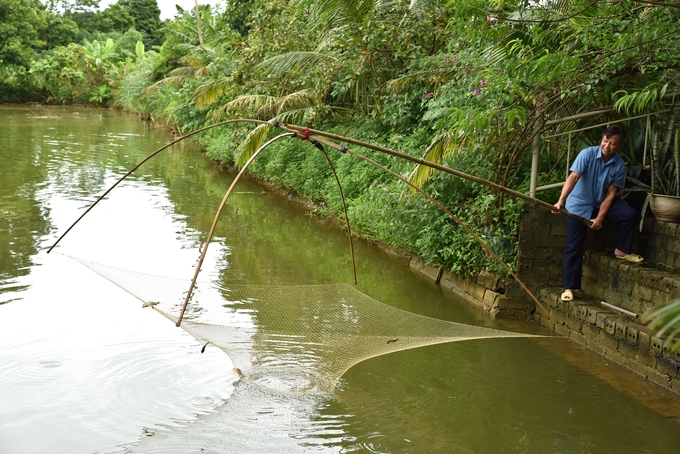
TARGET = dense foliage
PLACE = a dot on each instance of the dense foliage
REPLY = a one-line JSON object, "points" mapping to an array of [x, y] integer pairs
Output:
{"points": [[465, 83]]}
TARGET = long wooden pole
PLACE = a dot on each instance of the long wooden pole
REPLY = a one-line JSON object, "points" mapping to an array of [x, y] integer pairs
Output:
{"points": [[455, 218], [167, 145], [532, 200]]}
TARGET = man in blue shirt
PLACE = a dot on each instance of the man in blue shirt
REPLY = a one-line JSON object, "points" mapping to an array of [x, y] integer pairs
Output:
{"points": [[590, 191]]}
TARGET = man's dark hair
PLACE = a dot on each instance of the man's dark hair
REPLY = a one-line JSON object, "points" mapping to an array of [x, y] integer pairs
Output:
{"points": [[614, 130]]}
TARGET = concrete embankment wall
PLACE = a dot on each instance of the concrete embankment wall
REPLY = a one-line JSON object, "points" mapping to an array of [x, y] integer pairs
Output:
{"points": [[634, 288]]}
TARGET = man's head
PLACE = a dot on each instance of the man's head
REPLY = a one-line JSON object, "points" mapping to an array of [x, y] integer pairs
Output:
{"points": [[612, 139]]}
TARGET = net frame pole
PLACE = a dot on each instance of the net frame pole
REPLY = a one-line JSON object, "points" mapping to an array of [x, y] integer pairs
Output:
{"points": [[498, 187], [344, 207], [461, 223], [167, 145], [217, 217]]}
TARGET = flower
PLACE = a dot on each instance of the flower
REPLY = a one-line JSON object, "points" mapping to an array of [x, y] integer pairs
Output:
{"points": [[483, 83], [463, 148], [476, 92], [598, 56]]}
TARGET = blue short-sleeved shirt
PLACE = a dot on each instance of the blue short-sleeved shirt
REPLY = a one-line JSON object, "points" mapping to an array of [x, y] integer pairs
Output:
{"points": [[596, 177]]}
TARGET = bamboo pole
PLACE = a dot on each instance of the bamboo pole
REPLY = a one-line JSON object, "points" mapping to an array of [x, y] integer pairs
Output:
{"points": [[497, 187], [455, 218], [120, 180], [217, 217]]}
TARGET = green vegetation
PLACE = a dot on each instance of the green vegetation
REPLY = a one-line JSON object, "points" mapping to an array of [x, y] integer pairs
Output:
{"points": [[465, 83]]}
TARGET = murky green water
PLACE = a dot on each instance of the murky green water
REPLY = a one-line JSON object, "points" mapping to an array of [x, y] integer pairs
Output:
{"points": [[83, 369]]}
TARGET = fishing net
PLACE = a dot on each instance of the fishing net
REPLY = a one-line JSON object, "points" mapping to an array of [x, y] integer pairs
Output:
{"points": [[291, 338]]}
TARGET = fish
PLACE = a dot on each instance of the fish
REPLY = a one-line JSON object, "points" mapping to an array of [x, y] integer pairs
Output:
{"points": [[238, 372], [255, 361], [149, 304], [392, 340], [204, 345]]}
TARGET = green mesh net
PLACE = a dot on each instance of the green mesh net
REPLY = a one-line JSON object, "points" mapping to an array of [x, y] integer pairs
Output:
{"points": [[291, 338]]}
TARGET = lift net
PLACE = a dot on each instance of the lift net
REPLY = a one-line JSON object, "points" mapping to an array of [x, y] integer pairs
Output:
{"points": [[291, 338]]}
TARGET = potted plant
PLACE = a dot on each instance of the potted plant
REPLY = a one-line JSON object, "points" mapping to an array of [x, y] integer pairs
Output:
{"points": [[664, 199]]}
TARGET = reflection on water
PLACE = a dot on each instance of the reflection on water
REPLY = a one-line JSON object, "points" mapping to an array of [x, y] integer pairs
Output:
{"points": [[86, 368]]}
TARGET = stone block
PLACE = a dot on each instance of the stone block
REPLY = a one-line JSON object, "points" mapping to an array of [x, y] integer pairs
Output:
{"points": [[596, 346], [646, 356], [556, 314], [601, 319], [656, 345], [644, 339], [513, 290], [645, 306], [620, 330], [674, 246], [590, 331], [523, 304], [653, 278], [660, 379], [667, 366], [610, 325], [517, 314], [628, 350], [670, 229], [574, 323], [489, 299], [637, 367], [488, 280], [608, 341], [563, 308], [578, 337], [632, 335], [582, 311], [671, 284], [591, 315], [468, 286], [428, 272], [478, 292]]}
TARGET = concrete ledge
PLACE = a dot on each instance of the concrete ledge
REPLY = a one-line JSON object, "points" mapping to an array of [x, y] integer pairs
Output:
{"points": [[614, 335]]}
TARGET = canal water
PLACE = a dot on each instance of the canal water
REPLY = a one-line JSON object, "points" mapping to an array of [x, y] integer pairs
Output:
{"points": [[84, 369]]}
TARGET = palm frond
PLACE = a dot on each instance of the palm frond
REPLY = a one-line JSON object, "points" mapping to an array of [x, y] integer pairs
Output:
{"points": [[430, 76], [665, 319], [303, 61], [302, 98], [251, 143], [211, 91], [176, 81], [442, 146], [245, 102]]}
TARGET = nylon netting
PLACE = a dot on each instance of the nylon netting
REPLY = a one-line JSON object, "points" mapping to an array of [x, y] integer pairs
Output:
{"points": [[291, 338]]}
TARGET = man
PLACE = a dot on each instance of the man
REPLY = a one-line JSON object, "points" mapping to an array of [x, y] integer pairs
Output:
{"points": [[590, 191]]}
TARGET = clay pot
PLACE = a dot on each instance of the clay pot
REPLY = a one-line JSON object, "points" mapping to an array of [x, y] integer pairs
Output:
{"points": [[665, 207]]}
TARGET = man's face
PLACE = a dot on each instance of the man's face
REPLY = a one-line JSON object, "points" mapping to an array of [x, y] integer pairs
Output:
{"points": [[609, 146]]}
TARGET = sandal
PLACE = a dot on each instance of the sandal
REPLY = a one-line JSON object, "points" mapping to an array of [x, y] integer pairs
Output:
{"points": [[568, 295], [634, 258]]}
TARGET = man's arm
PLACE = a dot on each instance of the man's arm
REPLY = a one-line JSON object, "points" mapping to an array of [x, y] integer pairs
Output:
{"points": [[604, 207], [572, 179]]}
